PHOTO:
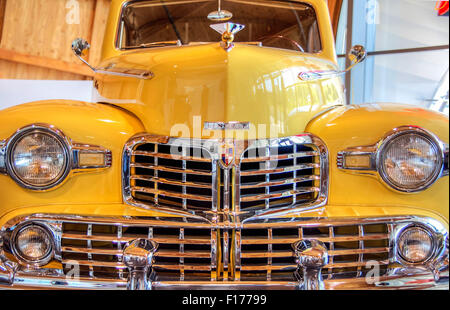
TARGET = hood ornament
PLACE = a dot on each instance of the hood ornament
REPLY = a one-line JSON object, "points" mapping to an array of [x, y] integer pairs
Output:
{"points": [[227, 30]]}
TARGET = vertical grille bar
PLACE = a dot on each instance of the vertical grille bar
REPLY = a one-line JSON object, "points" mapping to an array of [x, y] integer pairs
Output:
{"points": [[213, 254], [150, 232], [156, 175], [226, 190], [226, 254], [361, 247], [269, 258], [331, 248], [181, 255], [267, 188], [119, 247], [183, 178], [89, 246], [237, 245], [215, 188]]}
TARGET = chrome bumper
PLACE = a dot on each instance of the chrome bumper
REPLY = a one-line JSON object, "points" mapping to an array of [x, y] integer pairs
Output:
{"points": [[411, 278]]}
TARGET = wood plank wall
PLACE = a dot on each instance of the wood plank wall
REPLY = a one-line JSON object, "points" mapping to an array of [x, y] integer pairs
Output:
{"points": [[35, 37]]}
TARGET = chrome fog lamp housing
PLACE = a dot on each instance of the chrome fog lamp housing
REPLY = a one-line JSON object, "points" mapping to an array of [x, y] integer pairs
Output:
{"points": [[38, 157], [415, 245], [32, 244], [410, 160]]}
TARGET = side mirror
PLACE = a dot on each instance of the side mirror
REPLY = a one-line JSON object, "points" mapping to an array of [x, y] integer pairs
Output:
{"points": [[356, 55], [80, 48]]}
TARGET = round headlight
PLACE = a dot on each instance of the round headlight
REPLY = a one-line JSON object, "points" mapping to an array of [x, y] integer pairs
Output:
{"points": [[33, 244], [410, 161], [415, 245], [39, 159]]}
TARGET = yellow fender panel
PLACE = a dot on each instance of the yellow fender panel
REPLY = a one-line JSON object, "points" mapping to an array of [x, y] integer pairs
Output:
{"points": [[82, 122], [360, 125]]}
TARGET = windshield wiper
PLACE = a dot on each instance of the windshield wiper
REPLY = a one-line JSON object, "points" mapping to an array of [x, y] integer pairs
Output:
{"points": [[156, 44]]}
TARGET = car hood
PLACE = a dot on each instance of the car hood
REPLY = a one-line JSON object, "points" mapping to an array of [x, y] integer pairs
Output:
{"points": [[201, 83]]}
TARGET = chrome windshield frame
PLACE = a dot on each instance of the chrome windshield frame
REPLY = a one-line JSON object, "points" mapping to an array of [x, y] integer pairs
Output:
{"points": [[118, 40]]}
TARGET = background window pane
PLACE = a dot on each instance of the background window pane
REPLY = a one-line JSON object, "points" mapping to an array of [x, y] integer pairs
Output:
{"points": [[411, 78], [409, 24]]}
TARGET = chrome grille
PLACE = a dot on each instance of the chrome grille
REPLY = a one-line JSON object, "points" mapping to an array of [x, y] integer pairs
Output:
{"points": [[183, 253], [285, 174], [184, 174], [267, 254], [195, 251], [175, 176]]}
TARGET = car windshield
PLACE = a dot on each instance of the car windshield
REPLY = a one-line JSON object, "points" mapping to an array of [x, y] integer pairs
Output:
{"points": [[279, 24]]}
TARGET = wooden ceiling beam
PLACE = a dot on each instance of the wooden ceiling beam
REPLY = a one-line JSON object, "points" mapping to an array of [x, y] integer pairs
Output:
{"points": [[45, 62]]}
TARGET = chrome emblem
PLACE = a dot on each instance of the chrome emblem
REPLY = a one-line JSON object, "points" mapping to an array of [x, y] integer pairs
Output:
{"points": [[227, 154], [226, 126]]}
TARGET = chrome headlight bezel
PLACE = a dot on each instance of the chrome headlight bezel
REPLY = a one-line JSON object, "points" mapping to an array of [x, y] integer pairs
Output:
{"points": [[80, 157], [50, 254], [46, 130], [429, 137], [369, 157], [427, 232], [439, 238]]}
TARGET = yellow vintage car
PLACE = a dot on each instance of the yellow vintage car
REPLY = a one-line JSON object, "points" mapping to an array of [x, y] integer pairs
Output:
{"points": [[219, 152]]}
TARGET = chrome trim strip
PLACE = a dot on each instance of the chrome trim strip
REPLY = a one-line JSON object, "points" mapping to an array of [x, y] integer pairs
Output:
{"points": [[167, 156], [282, 194], [411, 278], [171, 182], [445, 171], [166, 169], [176, 222], [281, 182], [125, 72], [171, 194], [279, 157], [72, 150], [2, 156], [280, 170], [374, 153]]}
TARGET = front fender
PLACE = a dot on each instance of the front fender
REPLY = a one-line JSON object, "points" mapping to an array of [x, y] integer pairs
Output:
{"points": [[358, 125], [82, 122]]}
